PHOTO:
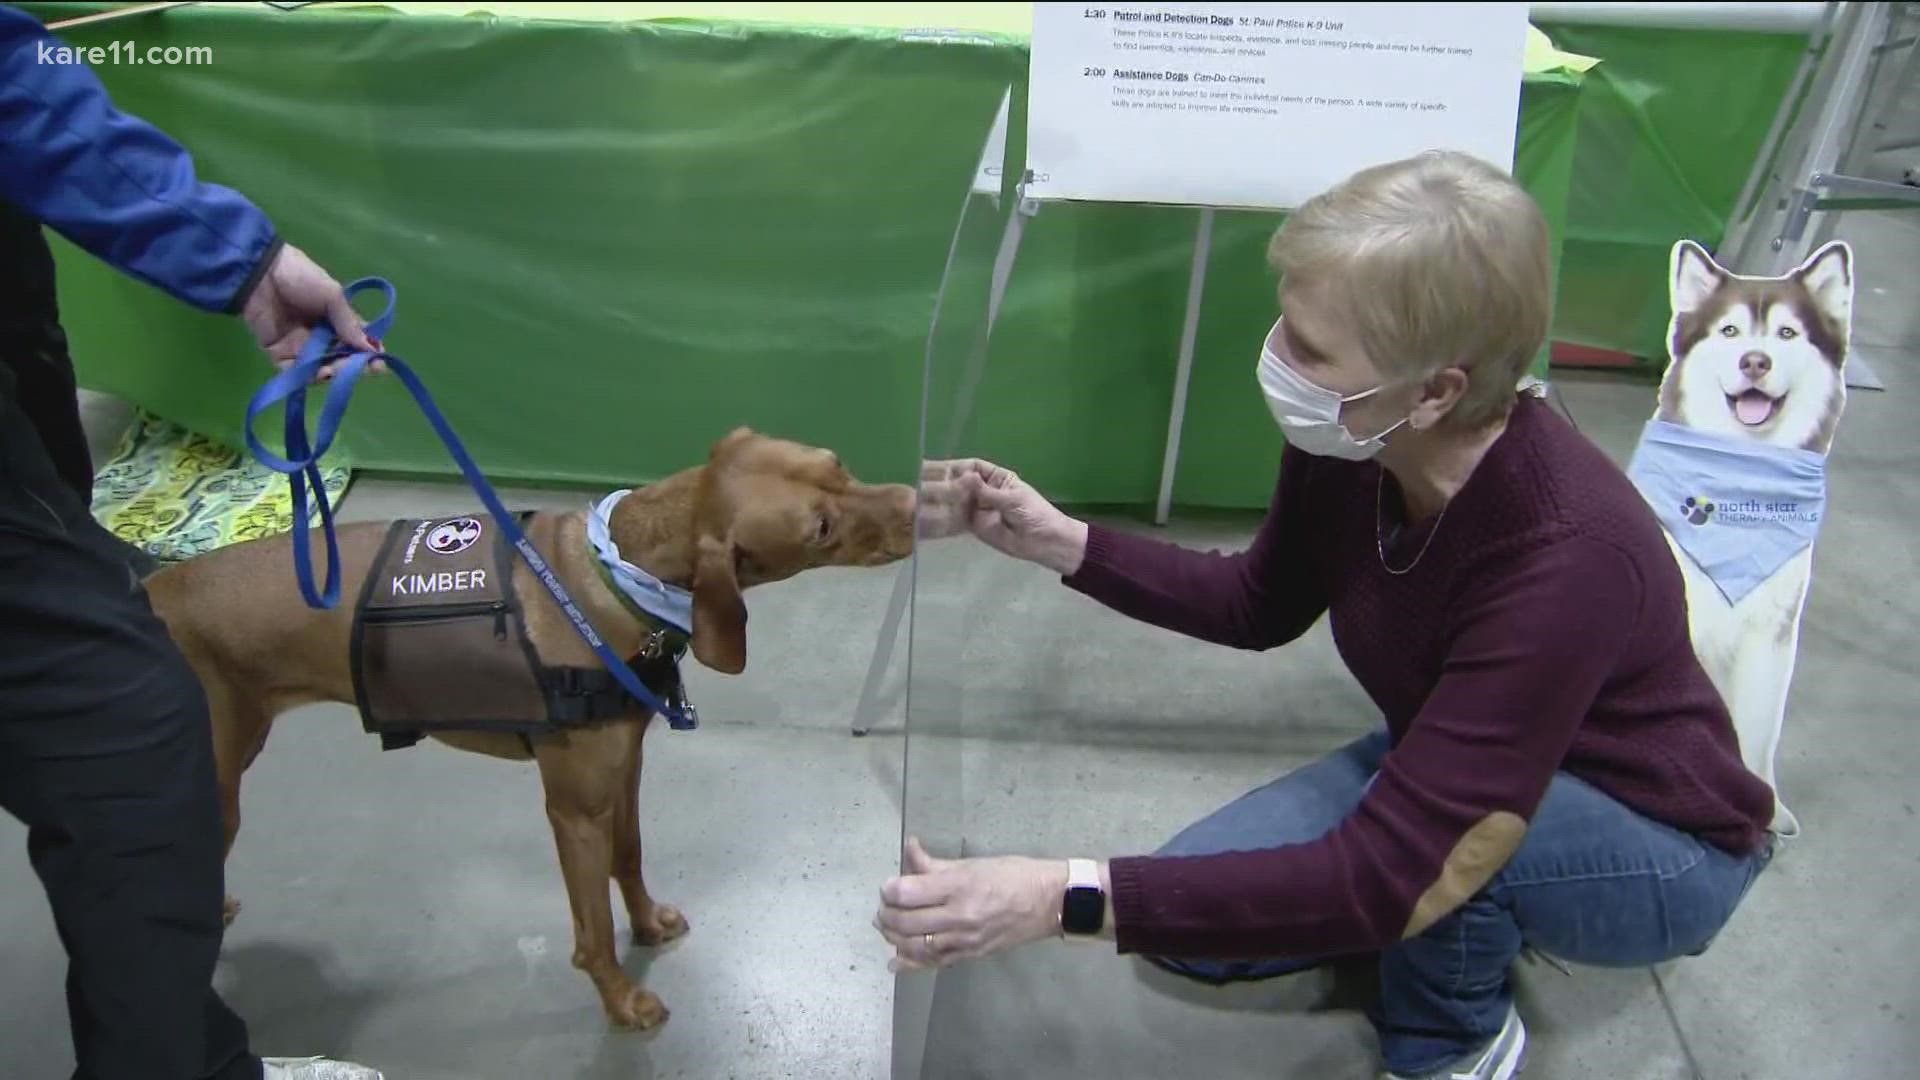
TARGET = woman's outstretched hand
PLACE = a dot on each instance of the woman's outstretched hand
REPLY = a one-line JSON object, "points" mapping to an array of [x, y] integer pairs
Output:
{"points": [[1002, 510], [938, 911]]}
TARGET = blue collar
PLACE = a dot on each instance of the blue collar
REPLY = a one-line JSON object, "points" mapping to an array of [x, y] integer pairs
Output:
{"points": [[668, 603]]}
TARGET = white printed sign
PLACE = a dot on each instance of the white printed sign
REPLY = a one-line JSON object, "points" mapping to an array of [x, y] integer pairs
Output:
{"points": [[1262, 105]]}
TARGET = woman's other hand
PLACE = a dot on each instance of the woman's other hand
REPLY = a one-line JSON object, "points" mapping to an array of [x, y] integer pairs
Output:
{"points": [[942, 910], [1008, 514]]}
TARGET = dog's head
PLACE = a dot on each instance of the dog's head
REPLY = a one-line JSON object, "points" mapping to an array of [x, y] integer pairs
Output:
{"points": [[1759, 358], [767, 509]]}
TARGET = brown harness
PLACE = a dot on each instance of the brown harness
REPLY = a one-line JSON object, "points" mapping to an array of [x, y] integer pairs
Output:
{"points": [[440, 644]]}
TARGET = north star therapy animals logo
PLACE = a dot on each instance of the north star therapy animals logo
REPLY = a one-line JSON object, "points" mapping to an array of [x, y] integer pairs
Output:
{"points": [[453, 537], [1698, 510]]}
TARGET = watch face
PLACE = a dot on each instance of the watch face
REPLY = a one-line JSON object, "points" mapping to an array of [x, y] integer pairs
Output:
{"points": [[1082, 910]]}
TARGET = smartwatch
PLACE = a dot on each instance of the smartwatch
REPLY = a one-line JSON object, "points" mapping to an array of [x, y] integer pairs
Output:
{"points": [[1083, 907]]}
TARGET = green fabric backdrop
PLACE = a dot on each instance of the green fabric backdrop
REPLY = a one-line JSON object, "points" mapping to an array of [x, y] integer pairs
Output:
{"points": [[1670, 123], [613, 241]]}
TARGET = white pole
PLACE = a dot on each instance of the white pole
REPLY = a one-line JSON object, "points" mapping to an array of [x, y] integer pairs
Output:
{"points": [[1783, 18], [108, 16], [1183, 374]]}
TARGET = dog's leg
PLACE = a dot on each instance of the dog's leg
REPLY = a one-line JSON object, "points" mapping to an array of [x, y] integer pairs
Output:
{"points": [[1758, 704], [239, 731], [583, 773], [1769, 635], [653, 923]]}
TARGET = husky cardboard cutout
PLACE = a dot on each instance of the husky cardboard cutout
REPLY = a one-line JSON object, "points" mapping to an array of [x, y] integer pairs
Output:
{"points": [[1733, 463]]}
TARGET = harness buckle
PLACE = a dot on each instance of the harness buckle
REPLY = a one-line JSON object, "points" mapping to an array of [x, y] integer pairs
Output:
{"points": [[656, 645], [675, 698]]}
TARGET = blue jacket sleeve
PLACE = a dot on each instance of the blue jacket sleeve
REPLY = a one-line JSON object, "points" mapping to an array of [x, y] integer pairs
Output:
{"points": [[115, 185]]}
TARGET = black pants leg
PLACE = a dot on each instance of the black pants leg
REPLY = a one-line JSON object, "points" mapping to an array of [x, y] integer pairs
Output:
{"points": [[34, 345], [106, 755]]}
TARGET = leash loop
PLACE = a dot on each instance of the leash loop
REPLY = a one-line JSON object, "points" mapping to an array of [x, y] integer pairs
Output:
{"points": [[301, 466]]}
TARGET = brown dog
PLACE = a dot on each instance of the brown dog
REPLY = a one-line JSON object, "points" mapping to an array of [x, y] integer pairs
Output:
{"points": [[761, 510]]}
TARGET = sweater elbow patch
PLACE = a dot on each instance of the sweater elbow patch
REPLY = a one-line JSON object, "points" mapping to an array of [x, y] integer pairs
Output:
{"points": [[1473, 862]]}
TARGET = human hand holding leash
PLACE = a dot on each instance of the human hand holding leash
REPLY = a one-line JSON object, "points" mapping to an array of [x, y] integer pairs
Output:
{"points": [[294, 294]]}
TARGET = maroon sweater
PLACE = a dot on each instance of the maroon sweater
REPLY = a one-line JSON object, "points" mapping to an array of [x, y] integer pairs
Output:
{"points": [[1544, 629]]}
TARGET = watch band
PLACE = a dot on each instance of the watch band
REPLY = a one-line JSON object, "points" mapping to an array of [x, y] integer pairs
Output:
{"points": [[1083, 872]]}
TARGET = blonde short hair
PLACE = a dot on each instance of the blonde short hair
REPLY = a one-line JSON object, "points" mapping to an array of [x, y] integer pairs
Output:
{"points": [[1435, 260]]}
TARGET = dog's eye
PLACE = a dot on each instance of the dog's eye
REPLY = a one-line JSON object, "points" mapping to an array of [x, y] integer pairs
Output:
{"points": [[822, 528], [1788, 333], [1729, 330]]}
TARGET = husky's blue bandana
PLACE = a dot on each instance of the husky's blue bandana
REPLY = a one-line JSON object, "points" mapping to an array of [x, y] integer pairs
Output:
{"points": [[668, 603], [1739, 510]]}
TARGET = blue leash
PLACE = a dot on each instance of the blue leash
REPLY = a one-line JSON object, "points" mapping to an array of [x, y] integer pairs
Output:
{"points": [[302, 470]]}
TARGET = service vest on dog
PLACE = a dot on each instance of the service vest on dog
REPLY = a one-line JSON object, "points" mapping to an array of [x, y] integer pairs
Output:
{"points": [[440, 643]]}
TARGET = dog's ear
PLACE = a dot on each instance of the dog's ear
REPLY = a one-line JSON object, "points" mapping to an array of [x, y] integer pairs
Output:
{"points": [[727, 442], [1692, 277], [719, 613], [1828, 278]]}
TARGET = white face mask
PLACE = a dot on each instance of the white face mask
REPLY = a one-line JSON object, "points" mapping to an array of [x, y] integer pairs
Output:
{"points": [[1309, 414]]}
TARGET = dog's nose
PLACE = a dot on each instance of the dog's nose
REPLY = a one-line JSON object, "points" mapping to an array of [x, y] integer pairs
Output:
{"points": [[1755, 364]]}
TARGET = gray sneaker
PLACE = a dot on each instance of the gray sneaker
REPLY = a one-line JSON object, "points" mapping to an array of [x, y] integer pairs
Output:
{"points": [[1501, 1059], [315, 1068]]}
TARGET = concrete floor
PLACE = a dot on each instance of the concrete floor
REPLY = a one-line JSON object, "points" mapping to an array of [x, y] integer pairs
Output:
{"points": [[406, 909]]}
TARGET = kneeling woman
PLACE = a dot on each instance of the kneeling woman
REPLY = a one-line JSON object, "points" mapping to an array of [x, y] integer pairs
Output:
{"points": [[1555, 770]]}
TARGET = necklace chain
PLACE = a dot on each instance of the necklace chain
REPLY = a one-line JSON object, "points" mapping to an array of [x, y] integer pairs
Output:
{"points": [[1379, 538]]}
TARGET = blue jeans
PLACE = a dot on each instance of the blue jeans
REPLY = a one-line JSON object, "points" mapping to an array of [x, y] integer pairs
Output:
{"points": [[1592, 883]]}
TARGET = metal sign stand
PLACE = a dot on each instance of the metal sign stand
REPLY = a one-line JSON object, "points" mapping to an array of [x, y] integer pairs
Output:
{"points": [[1821, 153]]}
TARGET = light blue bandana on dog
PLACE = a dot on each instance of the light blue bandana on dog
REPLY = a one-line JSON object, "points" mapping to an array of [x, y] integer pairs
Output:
{"points": [[1738, 509], [668, 603]]}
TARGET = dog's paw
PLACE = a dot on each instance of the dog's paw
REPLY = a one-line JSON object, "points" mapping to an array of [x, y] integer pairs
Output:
{"points": [[229, 910], [637, 1010], [666, 925]]}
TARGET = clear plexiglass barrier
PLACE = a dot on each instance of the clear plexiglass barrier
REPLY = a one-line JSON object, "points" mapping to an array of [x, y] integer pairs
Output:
{"points": [[1040, 723], [933, 593]]}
